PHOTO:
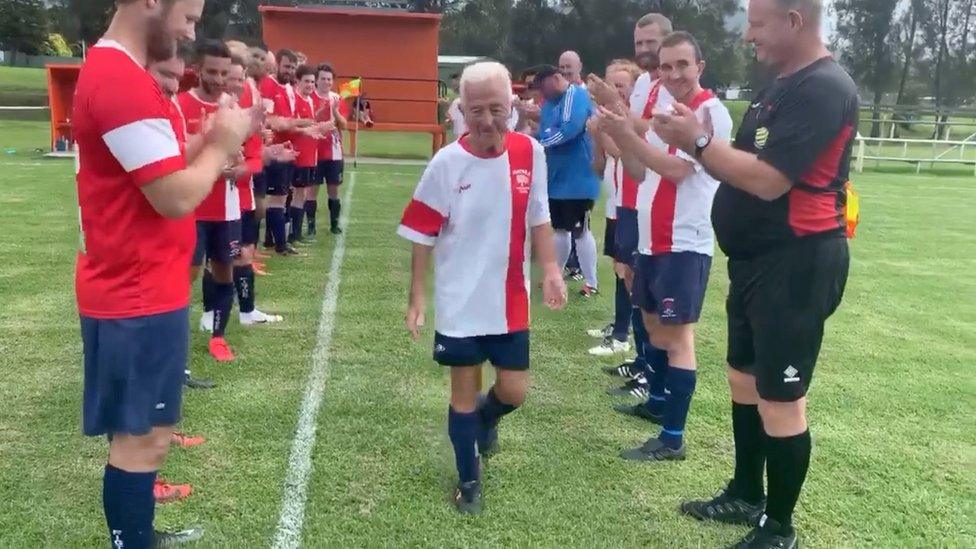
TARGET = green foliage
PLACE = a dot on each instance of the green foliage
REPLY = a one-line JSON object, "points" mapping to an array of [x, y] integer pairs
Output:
{"points": [[23, 25], [56, 46]]}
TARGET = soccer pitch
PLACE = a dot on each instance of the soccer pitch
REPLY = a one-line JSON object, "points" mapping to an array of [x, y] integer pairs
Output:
{"points": [[894, 462]]}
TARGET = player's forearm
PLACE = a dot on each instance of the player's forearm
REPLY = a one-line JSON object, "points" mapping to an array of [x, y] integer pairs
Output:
{"points": [[544, 250], [178, 194], [194, 144], [667, 166], [599, 154], [745, 171], [419, 265]]}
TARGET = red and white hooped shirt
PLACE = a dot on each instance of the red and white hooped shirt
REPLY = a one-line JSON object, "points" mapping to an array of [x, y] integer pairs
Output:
{"points": [[477, 214], [223, 203], [330, 148]]}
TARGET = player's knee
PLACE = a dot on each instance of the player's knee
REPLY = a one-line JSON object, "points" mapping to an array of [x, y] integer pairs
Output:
{"points": [[742, 386], [512, 390], [783, 419], [223, 273]]}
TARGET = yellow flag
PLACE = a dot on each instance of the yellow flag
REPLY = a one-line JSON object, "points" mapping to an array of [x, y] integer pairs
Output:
{"points": [[352, 88], [852, 211]]}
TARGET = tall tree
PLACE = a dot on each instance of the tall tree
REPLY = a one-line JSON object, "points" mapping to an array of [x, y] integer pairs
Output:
{"points": [[937, 33], [908, 39], [864, 28], [23, 26]]}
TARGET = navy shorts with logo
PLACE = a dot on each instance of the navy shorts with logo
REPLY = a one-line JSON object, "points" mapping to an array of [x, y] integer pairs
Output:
{"points": [[260, 185], [504, 351], [777, 307], [278, 177], [134, 370], [218, 241], [609, 246], [304, 177], [249, 228], [672, 285], [329, 171]]}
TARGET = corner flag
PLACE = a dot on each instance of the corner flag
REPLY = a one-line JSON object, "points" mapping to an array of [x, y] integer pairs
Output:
{"points": [[352, 88]]}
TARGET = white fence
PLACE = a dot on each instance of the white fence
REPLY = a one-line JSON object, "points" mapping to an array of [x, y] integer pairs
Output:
{"points": [[915, 151]]}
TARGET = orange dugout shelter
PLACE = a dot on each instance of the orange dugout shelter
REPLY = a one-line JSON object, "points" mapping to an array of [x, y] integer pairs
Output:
{"points": [[394, 52], [61, 82]]}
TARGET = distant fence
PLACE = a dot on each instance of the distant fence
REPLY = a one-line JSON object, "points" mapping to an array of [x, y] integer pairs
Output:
{"points": [[915, 151], [18, 59]]}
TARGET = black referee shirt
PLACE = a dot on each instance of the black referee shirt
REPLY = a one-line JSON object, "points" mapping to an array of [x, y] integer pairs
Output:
{"points": [[804, 125]]}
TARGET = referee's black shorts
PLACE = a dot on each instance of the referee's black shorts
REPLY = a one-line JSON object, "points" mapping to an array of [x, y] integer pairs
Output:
{"points": [[570, 214], [777, 306]]}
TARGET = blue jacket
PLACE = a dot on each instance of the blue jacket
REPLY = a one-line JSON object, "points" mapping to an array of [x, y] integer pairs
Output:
{"points": [[569, 149]]}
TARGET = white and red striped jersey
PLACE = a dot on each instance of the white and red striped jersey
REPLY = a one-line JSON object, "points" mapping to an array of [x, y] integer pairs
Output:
{"points": [[223, 203], [477, 213], [330, 148], [611, 182], [648, 95], [675, 216], [253, 151]]}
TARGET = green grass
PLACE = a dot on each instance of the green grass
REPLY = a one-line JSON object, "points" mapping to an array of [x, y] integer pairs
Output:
{"points": [[894, 462], [22, 86]]}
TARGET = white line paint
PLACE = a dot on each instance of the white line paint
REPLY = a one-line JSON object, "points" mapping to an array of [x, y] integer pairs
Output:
{"points": [[289, 532]]}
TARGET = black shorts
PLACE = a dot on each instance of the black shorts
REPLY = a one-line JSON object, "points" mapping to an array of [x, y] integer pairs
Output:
{"points": [[218, 241], [249, 228], [303, 177], [330, 172], [278, 177], [571, 215], [134, 370], [260, 185], [609, 246], [505, 351], [626, 237], [777, 306], [672, 285]]}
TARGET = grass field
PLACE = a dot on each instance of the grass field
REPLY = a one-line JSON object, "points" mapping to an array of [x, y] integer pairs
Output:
{"points": [[894, 460]]}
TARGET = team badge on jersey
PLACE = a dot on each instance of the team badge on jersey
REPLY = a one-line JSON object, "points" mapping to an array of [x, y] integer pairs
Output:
{"points": [[762, 135], [523, 180]]}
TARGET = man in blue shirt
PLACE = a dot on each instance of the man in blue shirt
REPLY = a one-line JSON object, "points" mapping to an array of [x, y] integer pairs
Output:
{"points": [[573, 185]]}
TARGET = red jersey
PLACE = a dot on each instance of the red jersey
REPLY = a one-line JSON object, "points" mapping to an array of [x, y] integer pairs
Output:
{"points": [[223, 202], [279, 100], [253, 153], [133, 261], [307, 147], [330, 148]]}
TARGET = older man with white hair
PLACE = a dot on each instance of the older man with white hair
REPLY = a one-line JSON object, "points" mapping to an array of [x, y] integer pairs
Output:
{"points": [[480, 205]]}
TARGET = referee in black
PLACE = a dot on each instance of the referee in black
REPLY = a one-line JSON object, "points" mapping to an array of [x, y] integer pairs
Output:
{"points": [[779, 217]]}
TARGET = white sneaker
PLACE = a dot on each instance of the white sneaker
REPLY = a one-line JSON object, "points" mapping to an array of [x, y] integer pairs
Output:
{"points": [[257, 317], [610, 347], [601, 333], [206, 321]]}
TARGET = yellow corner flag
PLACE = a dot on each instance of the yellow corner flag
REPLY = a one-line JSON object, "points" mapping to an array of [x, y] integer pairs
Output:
{"points": [[352, 88]]}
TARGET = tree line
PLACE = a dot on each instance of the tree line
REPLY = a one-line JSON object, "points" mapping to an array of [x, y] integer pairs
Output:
{"points": [[902, 52]]}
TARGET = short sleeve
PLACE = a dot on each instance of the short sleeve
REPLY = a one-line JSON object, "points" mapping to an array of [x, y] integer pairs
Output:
{"points": [[428, 210], [803, 127], [539, 194], [136, 124]]}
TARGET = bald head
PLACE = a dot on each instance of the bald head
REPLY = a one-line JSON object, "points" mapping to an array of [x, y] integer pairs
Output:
{"points": [[785, 32], [811, 10], [571, 66]]}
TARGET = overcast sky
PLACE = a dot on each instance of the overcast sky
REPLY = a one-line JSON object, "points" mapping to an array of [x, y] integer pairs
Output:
{"points": [[828, 23]]}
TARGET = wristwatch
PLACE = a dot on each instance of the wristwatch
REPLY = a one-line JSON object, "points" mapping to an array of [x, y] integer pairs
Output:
{"points": [[702, 143]]}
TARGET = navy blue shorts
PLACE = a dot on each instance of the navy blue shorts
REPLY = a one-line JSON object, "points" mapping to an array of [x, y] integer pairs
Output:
{"points": [[278, 177], [609, 246], [260, 185], [218, 241], [304, 177], [672, 285], [626, 237], [249, 228], [505, 351], [329, 171], [134, 370]]}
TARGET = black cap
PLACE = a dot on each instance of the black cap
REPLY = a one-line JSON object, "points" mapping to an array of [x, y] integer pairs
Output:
{"points": [[542, 72]]}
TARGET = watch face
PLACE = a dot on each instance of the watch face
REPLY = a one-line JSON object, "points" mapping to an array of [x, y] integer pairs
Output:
{"points": [[701, 141]]}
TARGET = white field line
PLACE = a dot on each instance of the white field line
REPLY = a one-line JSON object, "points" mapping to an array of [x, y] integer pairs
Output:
{"points": [[289, 532]]}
